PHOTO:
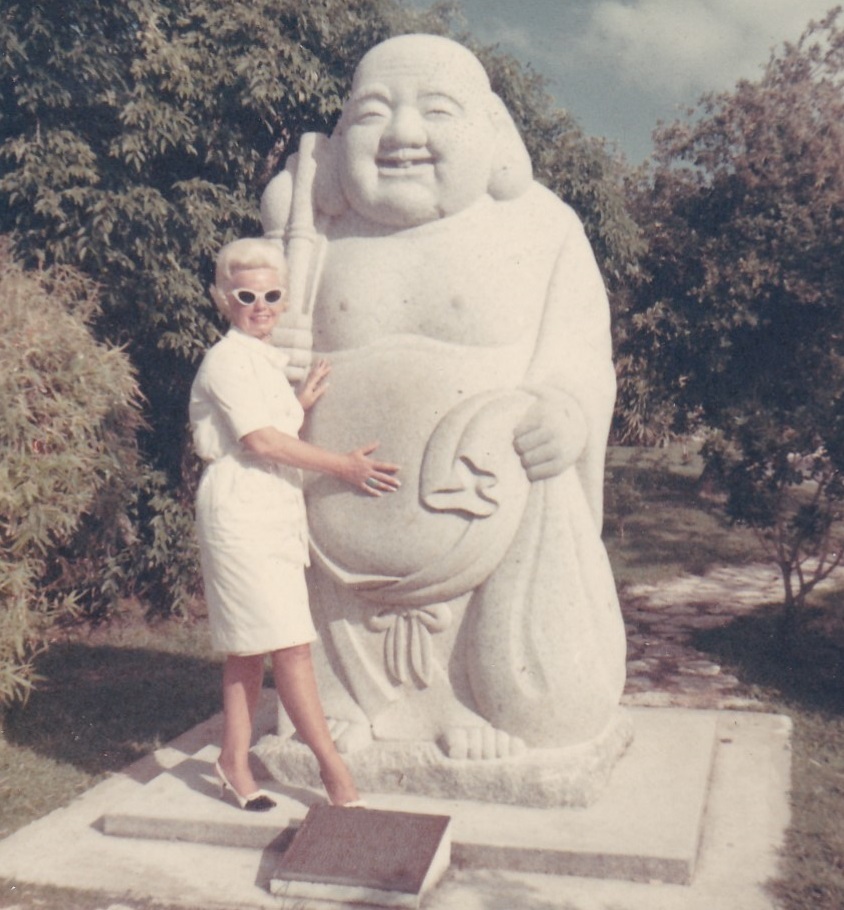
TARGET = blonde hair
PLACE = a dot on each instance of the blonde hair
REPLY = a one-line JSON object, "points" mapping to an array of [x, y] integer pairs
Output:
{"points": [[249, 253], [243, 254]]}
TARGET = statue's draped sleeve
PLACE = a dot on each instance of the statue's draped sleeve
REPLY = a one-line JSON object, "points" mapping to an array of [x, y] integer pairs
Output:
{"points": [[574, 351]]}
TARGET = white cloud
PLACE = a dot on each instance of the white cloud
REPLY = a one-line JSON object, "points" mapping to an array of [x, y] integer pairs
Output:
{"points": [[620, 66], [680, 47]]}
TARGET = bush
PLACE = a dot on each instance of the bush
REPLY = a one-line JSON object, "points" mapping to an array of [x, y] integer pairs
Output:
{"points": [[162, 564], [69, 417]]}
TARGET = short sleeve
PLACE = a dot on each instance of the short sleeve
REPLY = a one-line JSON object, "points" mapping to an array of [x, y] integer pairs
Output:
{"points": [[240, 387], [232, 382]]}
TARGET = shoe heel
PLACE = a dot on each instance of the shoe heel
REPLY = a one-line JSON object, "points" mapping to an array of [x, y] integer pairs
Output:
{"points": [[255, 802]]}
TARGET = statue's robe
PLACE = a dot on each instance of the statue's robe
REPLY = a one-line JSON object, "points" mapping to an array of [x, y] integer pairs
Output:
{"points": [[470, 581]]}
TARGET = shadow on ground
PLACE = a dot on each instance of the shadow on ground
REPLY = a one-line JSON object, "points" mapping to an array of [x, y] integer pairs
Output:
{"points": [[660, 521], [495, 890], [806, 670], [99, 707]]}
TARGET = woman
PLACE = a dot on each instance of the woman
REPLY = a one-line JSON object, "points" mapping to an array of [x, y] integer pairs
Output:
{"points": [[251, 516]]}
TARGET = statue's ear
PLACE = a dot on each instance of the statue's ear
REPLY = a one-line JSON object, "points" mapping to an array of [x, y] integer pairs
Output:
{"points": [[329, 198], [512, 171]]}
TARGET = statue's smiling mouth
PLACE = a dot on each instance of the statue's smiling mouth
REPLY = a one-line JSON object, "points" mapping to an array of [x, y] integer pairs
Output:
{"points": [[404, 161]]}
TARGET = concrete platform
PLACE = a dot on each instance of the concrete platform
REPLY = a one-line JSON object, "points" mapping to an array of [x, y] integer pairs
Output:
{"points": [[743, 821], [646, 826]]}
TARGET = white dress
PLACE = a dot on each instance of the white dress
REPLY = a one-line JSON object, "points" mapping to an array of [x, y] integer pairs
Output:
{"points": [[250, 513]]}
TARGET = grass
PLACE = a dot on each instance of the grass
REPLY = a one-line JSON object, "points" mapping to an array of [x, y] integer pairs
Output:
{"points": [[107, 696], [657, 525], [112, 694], [672, 529]]}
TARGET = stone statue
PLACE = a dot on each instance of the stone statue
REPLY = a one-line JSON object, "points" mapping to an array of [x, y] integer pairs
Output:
{"points": [[461, 309]]}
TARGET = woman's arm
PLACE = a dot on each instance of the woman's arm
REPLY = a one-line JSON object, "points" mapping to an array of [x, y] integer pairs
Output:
{"points": [[355, 468]]}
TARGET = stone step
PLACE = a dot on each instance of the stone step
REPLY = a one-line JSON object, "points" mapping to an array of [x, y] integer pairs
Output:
{"points": [[645, 827]]}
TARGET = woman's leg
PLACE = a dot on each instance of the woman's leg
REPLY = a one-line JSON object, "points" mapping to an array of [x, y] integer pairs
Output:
{"points": [[293, 671], [242, 679]]}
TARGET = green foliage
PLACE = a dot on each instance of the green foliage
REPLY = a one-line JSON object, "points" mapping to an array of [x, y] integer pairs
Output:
{"points": [[69, 418], [163, 561], [139, 136], [738, 322], [793, 502]]}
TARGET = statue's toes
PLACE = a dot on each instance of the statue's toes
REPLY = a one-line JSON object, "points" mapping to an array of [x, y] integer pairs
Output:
{"points": [[349, 736], [481, 743]]}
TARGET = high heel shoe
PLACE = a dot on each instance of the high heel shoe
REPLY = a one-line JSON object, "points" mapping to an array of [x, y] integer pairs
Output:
{"points": [[254, 802], [352, 804]]}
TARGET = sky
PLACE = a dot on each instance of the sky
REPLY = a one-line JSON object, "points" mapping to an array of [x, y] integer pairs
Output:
{"points": [[620, 66]]}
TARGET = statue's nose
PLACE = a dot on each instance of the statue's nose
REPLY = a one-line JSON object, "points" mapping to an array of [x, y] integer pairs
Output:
{"points": [[405, 128]]}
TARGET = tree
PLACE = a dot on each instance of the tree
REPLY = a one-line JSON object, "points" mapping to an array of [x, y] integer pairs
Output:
{"points": [[138, 136], [739, 318]]}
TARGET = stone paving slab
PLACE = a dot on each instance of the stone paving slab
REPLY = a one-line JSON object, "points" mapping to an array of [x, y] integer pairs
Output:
{"points": [[745, 820]]}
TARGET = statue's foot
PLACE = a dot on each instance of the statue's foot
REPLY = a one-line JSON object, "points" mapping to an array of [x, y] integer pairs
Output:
{"points": [[349, 735], [481, 743]]}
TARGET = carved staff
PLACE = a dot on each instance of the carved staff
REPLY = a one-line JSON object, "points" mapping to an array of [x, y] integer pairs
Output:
{"points": [[304, 253]]}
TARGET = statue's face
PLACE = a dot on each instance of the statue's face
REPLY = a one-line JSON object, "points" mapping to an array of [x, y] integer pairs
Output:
{"points": [[416, 135]]}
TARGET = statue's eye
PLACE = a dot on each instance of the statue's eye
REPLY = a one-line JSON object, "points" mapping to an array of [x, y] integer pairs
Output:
{"points": [[439, 107], [371, 112]]}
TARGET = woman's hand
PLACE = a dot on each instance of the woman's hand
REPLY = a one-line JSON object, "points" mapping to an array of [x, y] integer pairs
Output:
{"points": [[314, 385], [373, 477]]}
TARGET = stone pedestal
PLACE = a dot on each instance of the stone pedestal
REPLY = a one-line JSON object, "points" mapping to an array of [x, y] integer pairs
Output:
{"points": [[543, 778]]}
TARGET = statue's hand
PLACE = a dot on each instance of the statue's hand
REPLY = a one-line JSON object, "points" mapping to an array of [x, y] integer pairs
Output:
{"points": [[551, 435]]}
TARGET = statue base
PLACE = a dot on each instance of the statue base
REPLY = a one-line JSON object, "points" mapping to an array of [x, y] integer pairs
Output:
{"points": [[574, 776]]}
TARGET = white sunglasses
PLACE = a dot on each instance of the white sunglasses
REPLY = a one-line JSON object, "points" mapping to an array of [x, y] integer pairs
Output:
{"points": [[245, 297]]}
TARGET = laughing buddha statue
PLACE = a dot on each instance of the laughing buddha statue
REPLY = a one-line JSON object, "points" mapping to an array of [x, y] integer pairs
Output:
{"points": [[460, 306]]}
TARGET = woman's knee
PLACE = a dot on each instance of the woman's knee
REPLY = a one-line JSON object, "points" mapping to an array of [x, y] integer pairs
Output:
{"points": [[293, 655]]}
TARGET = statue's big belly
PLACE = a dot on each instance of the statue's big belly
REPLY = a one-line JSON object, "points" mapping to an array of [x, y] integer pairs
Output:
{"points": [[396, 391]]}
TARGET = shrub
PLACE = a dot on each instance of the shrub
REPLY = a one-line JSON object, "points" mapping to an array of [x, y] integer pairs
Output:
{"points": [[69, 417], [162, 564]]}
